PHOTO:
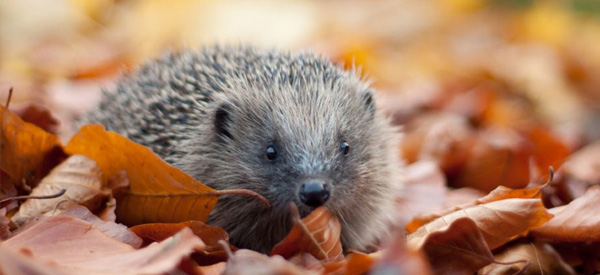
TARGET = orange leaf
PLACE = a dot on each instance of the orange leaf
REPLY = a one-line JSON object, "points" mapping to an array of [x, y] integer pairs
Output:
{"points": [[500, 193], [576, 222], [211, 235], [158, 192], [28, 152], [458, 249], [528, 258], [499, 221], [360, 263], [317, 234], [498, 158]]}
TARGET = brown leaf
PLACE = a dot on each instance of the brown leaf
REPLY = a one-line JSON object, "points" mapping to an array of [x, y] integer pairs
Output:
{"points": [[4, 225], [317, 234], [585, 257], [548, 150], [246, 261], [38, 116], [78, 175], [498, 157], [116, 231], [7, 190], [309, 262], [577, 222], [214, 269], [398, 258], [423, 191], [15, 263], [584, 164], [441, 137], [461, 196], [459, 248], [581, 170], [77, 247], [528, 258], [211, 235], [28, 152], [158, 191], [500, 193], [499, 221], [116, 184]]}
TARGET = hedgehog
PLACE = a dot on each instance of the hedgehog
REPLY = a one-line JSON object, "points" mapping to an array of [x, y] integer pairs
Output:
{"points": [[293, 127]]}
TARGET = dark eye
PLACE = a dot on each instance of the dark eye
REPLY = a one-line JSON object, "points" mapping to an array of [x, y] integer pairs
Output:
{"points": [[344, 147], [271, 153]]}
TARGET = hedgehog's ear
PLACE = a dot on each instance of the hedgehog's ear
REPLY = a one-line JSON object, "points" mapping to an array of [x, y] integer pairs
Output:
{"points": [[367, 98], [222, 119]]}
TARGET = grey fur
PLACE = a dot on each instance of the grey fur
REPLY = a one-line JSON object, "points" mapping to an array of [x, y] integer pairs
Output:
{"points": [[301, 103]]}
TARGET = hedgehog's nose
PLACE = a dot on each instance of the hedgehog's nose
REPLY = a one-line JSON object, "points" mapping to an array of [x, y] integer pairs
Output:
{"points": [[314, 192]]}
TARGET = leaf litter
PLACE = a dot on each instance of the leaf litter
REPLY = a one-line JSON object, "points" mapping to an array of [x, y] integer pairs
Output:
{"points": [[480, 122]]}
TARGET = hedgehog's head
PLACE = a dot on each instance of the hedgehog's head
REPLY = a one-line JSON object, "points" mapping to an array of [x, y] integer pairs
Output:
{"points": [[310, 136]]}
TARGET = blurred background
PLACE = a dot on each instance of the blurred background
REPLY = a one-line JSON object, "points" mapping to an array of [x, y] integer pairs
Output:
{"points": [[514, 64]]}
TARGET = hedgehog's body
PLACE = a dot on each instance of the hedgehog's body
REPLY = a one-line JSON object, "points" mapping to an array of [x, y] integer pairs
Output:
{"points": [[274, 123]]}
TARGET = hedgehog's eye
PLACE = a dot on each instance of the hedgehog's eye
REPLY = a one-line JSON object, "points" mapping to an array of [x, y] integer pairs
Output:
{"points": [[271, 153], [344, 147]]}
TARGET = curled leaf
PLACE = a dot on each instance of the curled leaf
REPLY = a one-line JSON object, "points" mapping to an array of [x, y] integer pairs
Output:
{"points": [[82, 179], [499, 221], [500, 193], [158, 192], [576, 222], [317, 234], [28, 152]]}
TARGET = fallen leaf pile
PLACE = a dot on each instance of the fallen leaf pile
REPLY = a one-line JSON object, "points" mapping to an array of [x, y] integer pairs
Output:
{"points": [[498, 101]]}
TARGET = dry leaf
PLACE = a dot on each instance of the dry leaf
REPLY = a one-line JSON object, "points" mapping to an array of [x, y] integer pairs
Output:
{"points": [[498, 157], [423, 191], [28, 152], [461, 196], [548, 150], [398, 258], [500, 193], [116, 231], [14, 263], [38, 116], [317, 234], [584, 257], [441, 137], [215, 269], [246, 261], [78, 175], [4, 225], [577, 222], [458, 248], [211, 235], [158, 191], [499, 221], [528, 259], [7, 190], [360, 263], [58, 241]]}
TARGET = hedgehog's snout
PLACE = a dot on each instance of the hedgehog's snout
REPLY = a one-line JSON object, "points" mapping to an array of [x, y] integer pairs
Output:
{"points": [[314, 192]]}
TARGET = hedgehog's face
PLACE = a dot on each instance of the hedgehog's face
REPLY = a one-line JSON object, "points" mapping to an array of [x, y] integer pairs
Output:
{"points": [[312, 147]]}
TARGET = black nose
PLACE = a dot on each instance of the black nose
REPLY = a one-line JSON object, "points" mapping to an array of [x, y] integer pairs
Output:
{"points": [[314, 192]]}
